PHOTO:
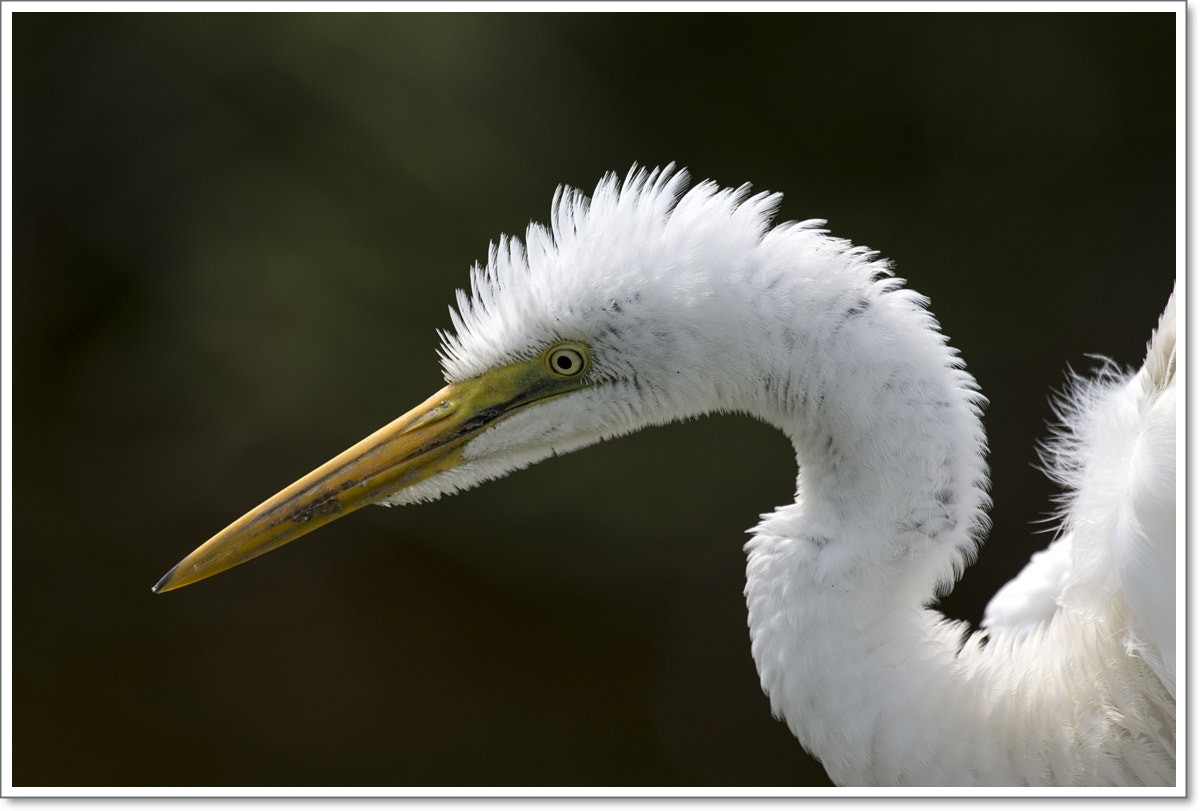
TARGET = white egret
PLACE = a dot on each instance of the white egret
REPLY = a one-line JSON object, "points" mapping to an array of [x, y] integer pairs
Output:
{"points": [[650, 303]]}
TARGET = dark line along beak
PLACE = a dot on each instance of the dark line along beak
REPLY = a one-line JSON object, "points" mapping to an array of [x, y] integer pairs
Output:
{"points": [[414, 447], [427, 440]]}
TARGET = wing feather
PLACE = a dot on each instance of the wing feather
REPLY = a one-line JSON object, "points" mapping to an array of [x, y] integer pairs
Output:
{"points": [[1115, 454]]}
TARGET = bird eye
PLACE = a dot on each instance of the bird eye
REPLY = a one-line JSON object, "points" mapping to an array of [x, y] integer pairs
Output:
{"points": [[567, 361]]}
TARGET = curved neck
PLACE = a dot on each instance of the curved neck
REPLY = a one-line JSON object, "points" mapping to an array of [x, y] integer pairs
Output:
{"points": [[886, 428], [889, 508]]}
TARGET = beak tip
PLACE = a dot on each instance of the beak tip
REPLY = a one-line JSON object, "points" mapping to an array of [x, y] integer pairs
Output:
{"points": [[164, 584]]}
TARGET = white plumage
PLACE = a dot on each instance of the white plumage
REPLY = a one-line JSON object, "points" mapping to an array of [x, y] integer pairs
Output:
{"points": [[670, 303]]}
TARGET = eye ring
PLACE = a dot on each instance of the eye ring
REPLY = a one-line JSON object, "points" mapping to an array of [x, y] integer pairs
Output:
{"points": [[567, 360]]}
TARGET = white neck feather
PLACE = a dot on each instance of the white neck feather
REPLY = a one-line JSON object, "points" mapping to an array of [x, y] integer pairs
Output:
{"points": [[890, 501]]}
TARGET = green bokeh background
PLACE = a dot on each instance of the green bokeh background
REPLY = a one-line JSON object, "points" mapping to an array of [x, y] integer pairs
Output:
{"points": [[236, 235]]}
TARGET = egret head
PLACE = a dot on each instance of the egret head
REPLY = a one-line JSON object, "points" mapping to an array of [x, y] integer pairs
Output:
{"points": [[558, 345]]}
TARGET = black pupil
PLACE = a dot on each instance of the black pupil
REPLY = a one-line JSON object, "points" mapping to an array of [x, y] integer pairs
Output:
{"points": [[565, 363]]}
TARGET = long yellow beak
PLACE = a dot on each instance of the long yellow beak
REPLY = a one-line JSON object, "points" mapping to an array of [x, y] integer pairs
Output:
{"points": [[425, 441]]}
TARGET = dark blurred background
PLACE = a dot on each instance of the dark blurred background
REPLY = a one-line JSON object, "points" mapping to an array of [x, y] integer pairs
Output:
{"points": [[236, 235]]}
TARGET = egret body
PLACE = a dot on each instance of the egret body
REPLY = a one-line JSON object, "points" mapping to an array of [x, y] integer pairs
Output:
{"points": [[652, 302]]}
